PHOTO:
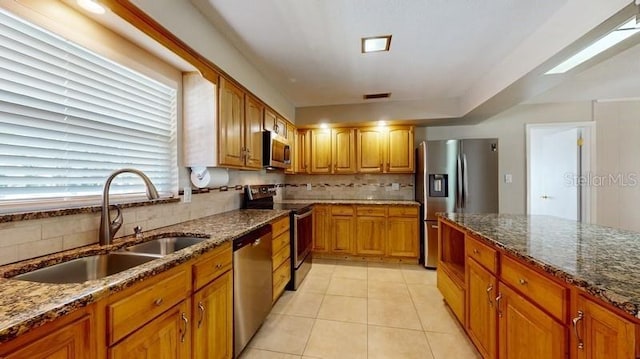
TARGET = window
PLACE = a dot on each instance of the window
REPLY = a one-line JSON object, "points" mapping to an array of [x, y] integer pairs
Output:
{"points": [[69, 117]]}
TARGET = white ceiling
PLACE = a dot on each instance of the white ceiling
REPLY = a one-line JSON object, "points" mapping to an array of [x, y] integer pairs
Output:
{"points": [[310, 49], [461, 60]]}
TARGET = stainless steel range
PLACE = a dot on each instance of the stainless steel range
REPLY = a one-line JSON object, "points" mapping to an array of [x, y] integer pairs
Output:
{"points": [[301, 228]]}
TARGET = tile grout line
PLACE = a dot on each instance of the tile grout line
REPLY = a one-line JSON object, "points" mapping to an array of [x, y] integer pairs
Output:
{"points": [[415, 307]]}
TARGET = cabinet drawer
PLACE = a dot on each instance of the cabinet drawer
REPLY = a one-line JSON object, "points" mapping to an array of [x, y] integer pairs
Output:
{"points": [[280, 241], [482, 253], [281, 277], [371, 211], [399, 211], [279, 226], [211, 266], [145, 302], [282, 255], [342, 210], [452, 294], [546, 293]]}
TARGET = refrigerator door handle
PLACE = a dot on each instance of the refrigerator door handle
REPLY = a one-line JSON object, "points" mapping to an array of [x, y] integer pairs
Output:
{"points": [[465, 180], [459, 176]]}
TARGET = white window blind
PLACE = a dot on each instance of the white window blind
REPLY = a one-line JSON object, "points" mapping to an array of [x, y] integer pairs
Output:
{"points": [[69, 117]]}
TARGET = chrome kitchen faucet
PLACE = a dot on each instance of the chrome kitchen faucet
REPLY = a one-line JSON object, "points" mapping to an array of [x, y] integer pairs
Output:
{"points": [[108, 228]]}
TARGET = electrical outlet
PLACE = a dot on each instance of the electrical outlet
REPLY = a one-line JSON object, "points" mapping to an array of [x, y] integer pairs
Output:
{"points": [[186, 198], [508, 178], [395, 186], [308, 186]]}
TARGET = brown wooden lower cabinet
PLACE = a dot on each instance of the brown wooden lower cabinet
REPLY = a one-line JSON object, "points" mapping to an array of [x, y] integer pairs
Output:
{"points": [[600, 333], [367, 231], [482, 316], [165, 337], [69, 337], [512, 310], [525, 331], [212, 324]]}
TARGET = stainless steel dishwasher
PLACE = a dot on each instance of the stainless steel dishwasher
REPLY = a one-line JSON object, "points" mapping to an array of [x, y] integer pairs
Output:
{"points": [[252, 285]]}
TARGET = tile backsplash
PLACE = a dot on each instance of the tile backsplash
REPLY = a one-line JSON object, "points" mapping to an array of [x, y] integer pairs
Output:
{"points": [[26, 239], [357, 186]]}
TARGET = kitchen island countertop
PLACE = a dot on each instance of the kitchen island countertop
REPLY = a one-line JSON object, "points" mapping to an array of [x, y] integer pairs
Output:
{"points": [[353, 201], [601, 260], [26, 305]]}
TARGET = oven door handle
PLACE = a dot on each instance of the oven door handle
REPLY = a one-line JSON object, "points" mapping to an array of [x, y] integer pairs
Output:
{"points": [[301, 216]]}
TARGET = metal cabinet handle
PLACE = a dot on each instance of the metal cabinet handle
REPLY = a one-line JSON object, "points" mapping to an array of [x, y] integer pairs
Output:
{"points": [[158, 301], [498, 299], [201, 308], [434, 226], [575, 328], [475, 251], [523, 281], [489, 289], [186, 326], [218, 266]]}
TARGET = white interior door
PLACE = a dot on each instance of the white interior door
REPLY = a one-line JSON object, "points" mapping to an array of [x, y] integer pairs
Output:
{"points": [[554, 172]]}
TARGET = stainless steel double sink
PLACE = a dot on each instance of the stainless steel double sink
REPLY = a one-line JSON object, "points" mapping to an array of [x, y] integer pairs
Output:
{"points": [[103, 265]]}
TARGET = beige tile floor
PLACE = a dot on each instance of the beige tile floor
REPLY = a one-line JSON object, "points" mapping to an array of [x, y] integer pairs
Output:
{"points": [[359, 310]]}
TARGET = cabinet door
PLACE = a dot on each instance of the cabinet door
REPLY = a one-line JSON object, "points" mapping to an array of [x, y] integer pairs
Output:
{"points": [[321, 228], [525, 331], [370, 235], [344, 150], [292, 139], [68, 342], [281, 127], [167, 336], [253, 132], [302, 151], [269, 120], [231, 125], [212, 324], [400, 150], [402, 237], [603, 334], [342, 231], [482, 316], [320, 151], [370, 149]]}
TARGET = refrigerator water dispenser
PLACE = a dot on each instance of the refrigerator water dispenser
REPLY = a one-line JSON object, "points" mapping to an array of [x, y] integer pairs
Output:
{"points": [[438, 185]]}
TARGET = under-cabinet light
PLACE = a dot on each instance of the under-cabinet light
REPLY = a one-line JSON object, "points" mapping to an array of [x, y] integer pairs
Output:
{"points": [[616, 36]]}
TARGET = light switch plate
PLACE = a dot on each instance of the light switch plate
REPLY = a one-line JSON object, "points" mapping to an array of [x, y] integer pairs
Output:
{"points": [[395, 186], [308, 186], [186, 198], [508, 178]]}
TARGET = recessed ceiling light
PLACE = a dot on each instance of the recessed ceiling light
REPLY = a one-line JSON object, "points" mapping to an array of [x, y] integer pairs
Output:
{"points": [[92, 6], [372, 96], [616, 36], [376, 43]]}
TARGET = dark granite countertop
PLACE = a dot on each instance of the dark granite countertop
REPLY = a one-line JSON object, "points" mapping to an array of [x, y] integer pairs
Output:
{"points": [[601, 260], [25, 305], [354, 201]]}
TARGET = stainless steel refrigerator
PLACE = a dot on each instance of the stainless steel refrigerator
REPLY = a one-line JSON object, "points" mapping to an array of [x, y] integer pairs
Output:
{"points": [[454, 176]]}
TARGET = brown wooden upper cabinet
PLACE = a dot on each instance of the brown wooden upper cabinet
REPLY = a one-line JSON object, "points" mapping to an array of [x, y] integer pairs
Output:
{"points": [[253, 132], [231, 125], [332, 151], [275, 123], [292, 140], [385, 149], [302, 151]]}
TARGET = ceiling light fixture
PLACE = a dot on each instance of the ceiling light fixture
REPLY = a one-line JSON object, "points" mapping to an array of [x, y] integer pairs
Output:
{"points": [[376, 44], [616, 36], [92, 6]]}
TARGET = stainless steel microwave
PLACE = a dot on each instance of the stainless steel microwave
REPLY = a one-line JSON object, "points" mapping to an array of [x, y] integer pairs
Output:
{"points": [[275, 152]]}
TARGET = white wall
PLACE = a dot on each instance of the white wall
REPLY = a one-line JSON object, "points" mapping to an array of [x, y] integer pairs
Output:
{"points": [[617, 179], [509, 128], [186, 22]]}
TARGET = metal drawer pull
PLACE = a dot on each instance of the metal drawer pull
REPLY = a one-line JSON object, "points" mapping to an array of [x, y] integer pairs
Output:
{"points": [[489, 289], [475, 251], [186, 326], [201, 307], [158, 301], [218, 266], [575, 328], [523, 281], [498, 299]]}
